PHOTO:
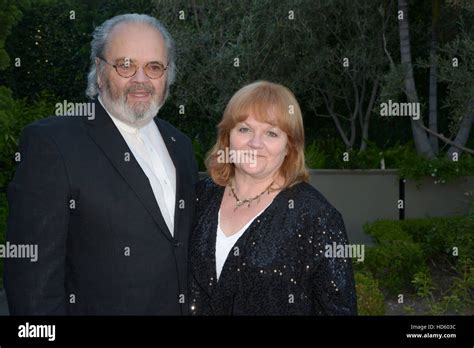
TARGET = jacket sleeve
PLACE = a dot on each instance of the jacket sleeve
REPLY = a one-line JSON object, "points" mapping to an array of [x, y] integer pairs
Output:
{"points": [[38, 216], [333, 279]]}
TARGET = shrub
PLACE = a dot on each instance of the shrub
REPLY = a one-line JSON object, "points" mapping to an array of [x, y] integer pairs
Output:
{"points": [[423, 284], [434, 234], [403, 248], [395, 258], [439, 235], [463, 284], [394, 263], [441, 169], [370, 300], [383, 230], [315, 157], [459, 298]]}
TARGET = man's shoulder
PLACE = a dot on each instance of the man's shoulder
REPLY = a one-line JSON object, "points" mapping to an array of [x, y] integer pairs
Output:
{"points": [[167, 129], [55, 126]]}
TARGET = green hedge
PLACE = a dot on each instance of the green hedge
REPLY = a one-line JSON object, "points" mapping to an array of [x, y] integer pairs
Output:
{"points": [[403, 250], [370, 300], [395, 258], [439, 235]]}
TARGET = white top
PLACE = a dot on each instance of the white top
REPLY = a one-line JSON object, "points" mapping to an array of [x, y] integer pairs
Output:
{"points": [[224, 244], [150, 151]]}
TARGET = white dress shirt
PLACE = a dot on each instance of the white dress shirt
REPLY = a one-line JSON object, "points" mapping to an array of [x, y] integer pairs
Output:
{"points": [[150, 151]]}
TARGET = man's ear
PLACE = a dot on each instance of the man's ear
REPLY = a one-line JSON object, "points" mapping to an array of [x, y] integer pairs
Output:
{"points": [[98, 72]]}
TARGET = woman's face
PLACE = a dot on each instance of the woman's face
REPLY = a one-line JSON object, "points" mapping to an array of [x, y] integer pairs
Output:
{"points": [[260, 147]]}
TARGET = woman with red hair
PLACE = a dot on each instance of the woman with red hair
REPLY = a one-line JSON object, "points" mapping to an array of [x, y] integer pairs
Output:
{"points": [[260, 231]]}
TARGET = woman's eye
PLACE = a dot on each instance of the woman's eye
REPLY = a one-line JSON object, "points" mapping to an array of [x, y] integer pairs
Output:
{"points": [[243, 129], [272, 134]]}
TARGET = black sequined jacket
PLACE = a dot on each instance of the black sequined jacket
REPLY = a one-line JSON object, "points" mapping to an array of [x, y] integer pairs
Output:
{"points": [[278, 266]]}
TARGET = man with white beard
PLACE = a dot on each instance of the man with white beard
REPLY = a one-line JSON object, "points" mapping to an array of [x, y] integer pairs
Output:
{"points": [[108, 199]]}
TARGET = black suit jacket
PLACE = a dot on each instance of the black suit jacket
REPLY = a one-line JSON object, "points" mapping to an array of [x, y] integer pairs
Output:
{"points": [[279, 265], [103, 245]]}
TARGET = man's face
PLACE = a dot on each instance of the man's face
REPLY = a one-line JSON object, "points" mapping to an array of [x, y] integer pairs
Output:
{"points": [[137, 99]]}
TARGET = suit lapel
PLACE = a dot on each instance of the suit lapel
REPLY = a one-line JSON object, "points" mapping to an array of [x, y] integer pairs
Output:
{"points": [[107, 137], [172, 146]]}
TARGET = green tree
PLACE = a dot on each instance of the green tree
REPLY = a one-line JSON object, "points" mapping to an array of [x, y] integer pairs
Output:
{"points": [[10, 14]]}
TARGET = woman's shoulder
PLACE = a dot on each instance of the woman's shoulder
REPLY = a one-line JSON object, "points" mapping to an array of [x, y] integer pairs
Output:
{"points": [[206, 184], [320, 215], [207, 187], [309, 199]]}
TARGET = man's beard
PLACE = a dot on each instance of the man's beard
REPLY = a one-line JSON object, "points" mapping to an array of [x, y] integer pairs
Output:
{"points": [[136, 115]]}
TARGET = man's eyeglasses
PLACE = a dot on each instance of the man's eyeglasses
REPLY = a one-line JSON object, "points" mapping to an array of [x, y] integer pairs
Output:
{"points": [[127, 69]]}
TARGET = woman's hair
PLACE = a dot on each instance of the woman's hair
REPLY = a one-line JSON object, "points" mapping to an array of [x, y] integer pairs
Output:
{"points": [[267, 102]]}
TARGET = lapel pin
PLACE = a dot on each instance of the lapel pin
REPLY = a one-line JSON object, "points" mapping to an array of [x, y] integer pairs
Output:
{"points": [[172, 138]]}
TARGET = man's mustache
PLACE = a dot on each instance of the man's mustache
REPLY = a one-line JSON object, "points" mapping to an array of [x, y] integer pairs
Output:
{"points": [[141, 87]]}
